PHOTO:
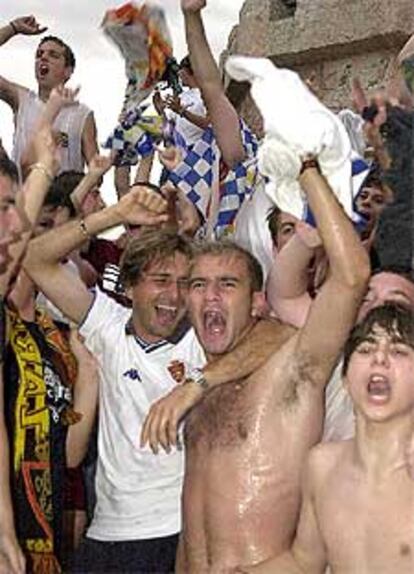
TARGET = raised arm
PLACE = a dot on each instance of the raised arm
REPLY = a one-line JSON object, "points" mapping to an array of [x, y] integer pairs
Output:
{"points": [[97, 168], [334, 309], [28, 26], [288, 280], [141, 206], [222, 114], [161, 424]]}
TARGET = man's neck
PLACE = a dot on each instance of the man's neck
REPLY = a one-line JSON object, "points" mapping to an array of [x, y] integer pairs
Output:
{"points": [[44, 93], [381, 447]]}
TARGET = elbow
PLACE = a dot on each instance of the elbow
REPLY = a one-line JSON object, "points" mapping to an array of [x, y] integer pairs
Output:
{"points": [[358, 274]]}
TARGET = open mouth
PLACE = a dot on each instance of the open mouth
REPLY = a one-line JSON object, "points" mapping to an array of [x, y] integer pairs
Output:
{"points": [[214, 322], [166, 314], [43, 70], [379, 388]]}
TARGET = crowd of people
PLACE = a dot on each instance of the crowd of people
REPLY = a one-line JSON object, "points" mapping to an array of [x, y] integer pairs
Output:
{"points": [[227, 387]]}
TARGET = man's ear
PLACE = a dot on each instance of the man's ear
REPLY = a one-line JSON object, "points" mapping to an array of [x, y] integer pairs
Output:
{"points": [[67, 73], [260, 307]]}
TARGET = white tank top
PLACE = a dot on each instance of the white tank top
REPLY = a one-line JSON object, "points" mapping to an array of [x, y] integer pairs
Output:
{"points": [[70, 122]]}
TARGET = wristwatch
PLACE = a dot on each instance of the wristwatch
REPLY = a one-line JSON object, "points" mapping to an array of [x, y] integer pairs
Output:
{"points": [[196, 376]]}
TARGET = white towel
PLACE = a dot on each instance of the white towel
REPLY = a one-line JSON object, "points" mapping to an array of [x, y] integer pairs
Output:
{"points": [[296, 123]]}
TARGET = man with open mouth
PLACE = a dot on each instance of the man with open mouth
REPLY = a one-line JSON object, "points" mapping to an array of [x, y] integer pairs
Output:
{"points": [[74, 126]]}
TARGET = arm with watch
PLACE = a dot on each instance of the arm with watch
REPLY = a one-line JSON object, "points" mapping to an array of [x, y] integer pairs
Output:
{"points": [[161, 424]]}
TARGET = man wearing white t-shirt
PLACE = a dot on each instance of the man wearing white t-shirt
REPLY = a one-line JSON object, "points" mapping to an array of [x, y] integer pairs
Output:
{"points": [[140, 355]]}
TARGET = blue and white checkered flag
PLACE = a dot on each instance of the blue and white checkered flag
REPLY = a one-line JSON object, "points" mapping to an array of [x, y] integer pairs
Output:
{"points": [[198, 173]]}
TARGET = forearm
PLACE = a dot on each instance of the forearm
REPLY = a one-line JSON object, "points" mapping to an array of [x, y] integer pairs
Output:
{"points": [[223, 116], [30, 198], [50, 248], [348, 261], [87, 183], [85, 402], [256, 347], [143, 174], [6, 32], [200, 121], [289, 274]]}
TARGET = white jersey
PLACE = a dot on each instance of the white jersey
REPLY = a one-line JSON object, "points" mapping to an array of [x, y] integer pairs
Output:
{"points": [[339, 421], [69, 122], [138, 493]]}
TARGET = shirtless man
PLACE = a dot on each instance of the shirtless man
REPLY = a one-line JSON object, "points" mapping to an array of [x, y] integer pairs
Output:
{"points": [[54, 65], [246, 441], [365, 477]]}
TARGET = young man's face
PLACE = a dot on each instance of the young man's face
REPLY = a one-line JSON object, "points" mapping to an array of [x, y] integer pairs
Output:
{"points": [[12, 220], [50, 67], [220, 300], [380, 376], [159, 298], [387, 287], [371, 202]]}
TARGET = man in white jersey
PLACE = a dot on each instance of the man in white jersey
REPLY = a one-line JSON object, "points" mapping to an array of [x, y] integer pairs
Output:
{"points": [[75, 124], [137, 517]]}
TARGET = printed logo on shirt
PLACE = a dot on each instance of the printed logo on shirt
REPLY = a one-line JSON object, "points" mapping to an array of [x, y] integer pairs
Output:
{"points": [[177, 371], [133, 374]]}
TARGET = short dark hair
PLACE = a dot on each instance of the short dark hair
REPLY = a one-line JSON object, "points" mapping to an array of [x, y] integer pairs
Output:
{"points": [[397, 320], [70, 59], [186, 63], [61, 189], [153, 245], [273, 222], [228, 247], [9, 168]]}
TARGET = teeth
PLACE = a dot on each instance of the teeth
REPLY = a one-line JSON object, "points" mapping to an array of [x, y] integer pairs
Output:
{"points": [[168, 308]]}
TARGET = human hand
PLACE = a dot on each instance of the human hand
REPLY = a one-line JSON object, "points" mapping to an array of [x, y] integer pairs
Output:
{"points": [[60, 97], [193, 5], [82, 354], [173, 103], [142, 206], [46, 150], [170, 157], [160, 427], [12, 560], [188, 218], [27, 25], [99, 165], [158, 102]]}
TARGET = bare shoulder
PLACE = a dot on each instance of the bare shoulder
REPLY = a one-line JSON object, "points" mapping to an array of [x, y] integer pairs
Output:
{"points": [[327, 457]]}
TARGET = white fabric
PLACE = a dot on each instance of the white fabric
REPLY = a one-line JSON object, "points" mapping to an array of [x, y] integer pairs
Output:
{"points": [[354, 126], [138, 493], [252, 229], [296, 123], [191, 100], [70, 121]]}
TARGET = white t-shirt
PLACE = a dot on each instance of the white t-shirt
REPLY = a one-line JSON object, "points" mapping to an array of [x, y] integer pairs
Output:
{"points": [[138, 493]]}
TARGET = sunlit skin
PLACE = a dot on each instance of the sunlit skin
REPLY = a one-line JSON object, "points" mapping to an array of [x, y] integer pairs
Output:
{"points": [[380, 376], [221, 301], [386, 287], [159, 298]]}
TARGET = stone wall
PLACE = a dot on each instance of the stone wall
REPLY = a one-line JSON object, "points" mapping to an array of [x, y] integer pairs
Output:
{"points": [[331, 40]]}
